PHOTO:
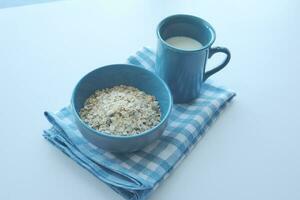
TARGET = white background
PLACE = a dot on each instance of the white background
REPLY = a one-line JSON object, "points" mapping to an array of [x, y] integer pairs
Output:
{"points": [[251, 152]]}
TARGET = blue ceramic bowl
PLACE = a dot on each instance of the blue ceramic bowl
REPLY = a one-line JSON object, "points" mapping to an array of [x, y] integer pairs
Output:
{"points": [[112, 75]]}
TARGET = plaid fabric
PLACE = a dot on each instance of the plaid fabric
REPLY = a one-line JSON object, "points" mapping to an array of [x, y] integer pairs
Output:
{"points": [[136, 175]]}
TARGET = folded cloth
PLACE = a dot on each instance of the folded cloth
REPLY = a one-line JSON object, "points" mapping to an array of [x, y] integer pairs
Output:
{"points": [[136, 175]]}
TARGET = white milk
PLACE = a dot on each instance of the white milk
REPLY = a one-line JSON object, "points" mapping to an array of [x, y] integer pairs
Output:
{"points": [[185, 43]]}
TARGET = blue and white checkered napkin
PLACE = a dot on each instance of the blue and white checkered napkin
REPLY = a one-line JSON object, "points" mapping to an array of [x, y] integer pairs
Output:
{"points": [[136, 175]]}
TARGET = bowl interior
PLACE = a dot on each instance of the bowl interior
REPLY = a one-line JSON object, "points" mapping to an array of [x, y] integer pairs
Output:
{"points": [[113, 75]]}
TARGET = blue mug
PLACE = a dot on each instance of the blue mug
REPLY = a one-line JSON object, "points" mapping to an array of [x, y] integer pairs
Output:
{"points": [[184, 70]]}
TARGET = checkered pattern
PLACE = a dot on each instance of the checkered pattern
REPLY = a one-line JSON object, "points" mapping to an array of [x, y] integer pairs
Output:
{"points": [[136, 175]]}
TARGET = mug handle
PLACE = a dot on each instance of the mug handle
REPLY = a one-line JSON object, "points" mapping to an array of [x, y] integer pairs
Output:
{"points": [[212, 51]]}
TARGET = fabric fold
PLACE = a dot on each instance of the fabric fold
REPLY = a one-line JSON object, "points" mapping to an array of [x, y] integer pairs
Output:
{"points": [[116, 177]]}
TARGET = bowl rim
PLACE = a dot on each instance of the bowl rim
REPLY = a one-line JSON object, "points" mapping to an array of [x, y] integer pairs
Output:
{"points": [[102, 133]]}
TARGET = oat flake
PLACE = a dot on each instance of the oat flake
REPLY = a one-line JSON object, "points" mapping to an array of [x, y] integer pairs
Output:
{"points": [[121, 110]]}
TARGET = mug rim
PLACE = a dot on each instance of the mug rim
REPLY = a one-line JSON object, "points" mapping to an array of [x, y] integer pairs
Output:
{"points": [[209, 44]]}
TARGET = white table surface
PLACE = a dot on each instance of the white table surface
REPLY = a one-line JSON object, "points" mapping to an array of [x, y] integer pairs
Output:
{"points": [[13, 3], [251, 152]]}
